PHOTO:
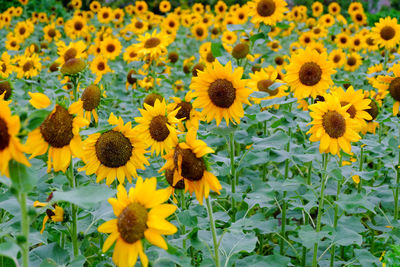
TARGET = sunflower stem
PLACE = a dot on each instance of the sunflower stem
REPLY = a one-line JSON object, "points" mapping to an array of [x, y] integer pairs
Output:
{"points": [[320, 206], [233, 171], [396, 192], [74, 234], [284, 204], [306, 219], [361, 167], [24, 230], [213, 231], [335, 218]]}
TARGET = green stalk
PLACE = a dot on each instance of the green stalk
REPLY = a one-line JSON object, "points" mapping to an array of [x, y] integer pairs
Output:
{"points": [[320, 206], [74, 233], [336, 218], [396, 194], [233, 170], [361, 167], [284, 204], [306, 219], [24, 230], [213, 231]]}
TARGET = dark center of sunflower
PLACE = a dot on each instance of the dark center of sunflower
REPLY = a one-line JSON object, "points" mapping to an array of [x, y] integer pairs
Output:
{"points": [[351, 110], [117, 16], [158, 128], [214, 31], [27, 66], [357, 42], [130, 78], [5, 86], [373, 110], [343, 40], [140, 8], [210, 58], [70, 53], [4, 136], [222, 93], [139, 24], [173, 57], [54, 67], [78, 25], [150, 99], [240, 50], [275, 45], [333, 9], [169, 176], [336, 58], [152, 42], [199, 32], [317, 30], [351, 61], [307, 40], [110, 48], [184, 111], [91, 97], [132, 223], [13, 43], [334, 124], [113, 149], [255, 68], [263, 85], [359, 17], [57, 128], [101, 66], [319, 98], [192, 167], [387, 33], [279, 60], [22, 31], [266, 8], [197, 67], [394, 88], [171, 24], [105, 15], [310, 74], [52, 33], [241, 16]]}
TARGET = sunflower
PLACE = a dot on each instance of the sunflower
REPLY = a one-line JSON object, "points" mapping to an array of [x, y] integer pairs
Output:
{"points": [[317, 9], [29, 66], [342, 40], [88, 103], [326, 20], [391, 84], [200, 31], [111, 48], [170, 23], [59, 135], [220, 8], [99, 67], [75, 27], [152, 46], [140, 214], [188, 163], [187, 115], [51, 33], [10, 146], [141, 7], [359, 17], [220, 92], [157, 127], [165, 6], [353, 61], [386, 32], [337, 57], [95, 6], [56, 214], [267, 11], [309, 73], [357, 42], [370, 43], [229, 37], [6, 68], [331, 126], [72, 50], [306, 38], [262, 80], [23, 29], [131, 80], [358, 104], [138, 26], [334, 8], [105, 15], [118, 16], [117, 153]]}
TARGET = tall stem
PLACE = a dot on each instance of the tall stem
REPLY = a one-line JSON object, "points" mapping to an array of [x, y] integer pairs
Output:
{"points": [[306, 219], [335, 218], [396, 194], [74, 234], [284, 204], [320, 206], [361, 167], [213, 231], [233, 170], [24, 230]]}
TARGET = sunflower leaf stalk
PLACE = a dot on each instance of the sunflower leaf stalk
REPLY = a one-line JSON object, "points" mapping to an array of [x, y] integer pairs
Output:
{"points": [[24, 230], [213, 231], [396, 193], [284, 205], [233, 169], [74, 232], [336, 217], [320, 205]]}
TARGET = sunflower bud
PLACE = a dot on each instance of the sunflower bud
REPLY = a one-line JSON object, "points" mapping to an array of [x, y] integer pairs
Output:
{"points": [[240, 51]]}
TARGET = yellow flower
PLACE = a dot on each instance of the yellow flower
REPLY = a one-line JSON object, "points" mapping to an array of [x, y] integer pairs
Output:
{"points": [[140, 214], [111, 48], [99, 67], [356, 179], [267, 11], [56, 214], [386, 32]]}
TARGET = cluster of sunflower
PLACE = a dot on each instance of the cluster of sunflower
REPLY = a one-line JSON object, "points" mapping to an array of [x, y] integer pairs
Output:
{"points": [[218, 90]]}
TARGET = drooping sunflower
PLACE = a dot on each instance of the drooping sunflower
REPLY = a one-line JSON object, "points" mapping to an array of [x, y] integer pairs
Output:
{"points": [[188, 163], [58, 135], [220, 92], [309, 73], [157, 127], [88, 103], [331, 126], [152, 46], [117, 153], [386, 32], [10, 146], [56, 214], [358, 105], [141, 214], [262, 81], [267, 11]]}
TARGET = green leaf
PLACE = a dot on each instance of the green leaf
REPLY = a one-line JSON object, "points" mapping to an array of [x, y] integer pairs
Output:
{"points": [[86, 197], [216, 49], [234, 242], [277, 100], [9, 250], [345, 237], [258, 260], [21, 178]]}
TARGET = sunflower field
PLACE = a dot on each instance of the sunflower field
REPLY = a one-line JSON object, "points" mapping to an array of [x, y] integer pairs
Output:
{"points": [[166, 134]]}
